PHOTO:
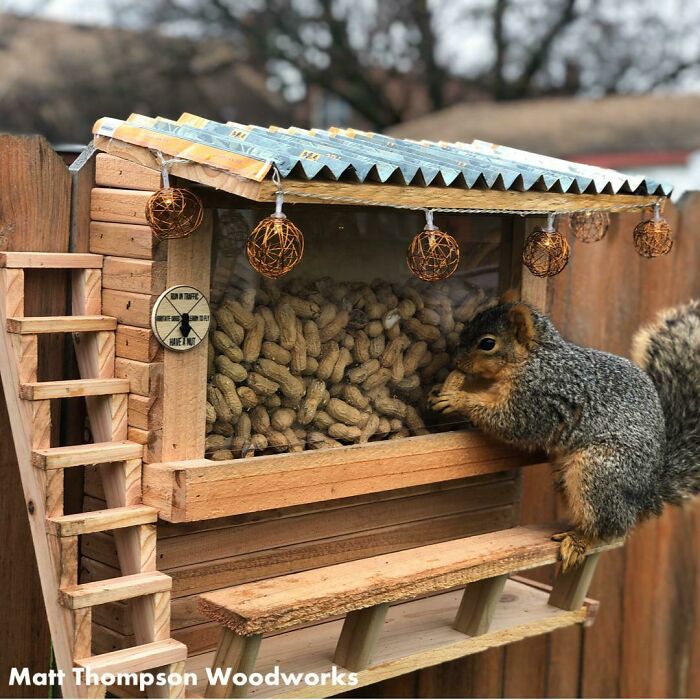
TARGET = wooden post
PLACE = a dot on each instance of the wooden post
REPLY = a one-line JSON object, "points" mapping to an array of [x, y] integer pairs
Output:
{"points": [[184, 391], [359, 636], [237, 653], [571, 588], [478, 605]]}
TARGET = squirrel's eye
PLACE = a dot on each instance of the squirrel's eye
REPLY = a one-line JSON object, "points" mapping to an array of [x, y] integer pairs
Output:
{"points": [[487, 343]]}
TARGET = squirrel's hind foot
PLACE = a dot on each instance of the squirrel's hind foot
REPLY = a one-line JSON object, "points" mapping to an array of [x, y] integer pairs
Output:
{"points": [[573, 548]]}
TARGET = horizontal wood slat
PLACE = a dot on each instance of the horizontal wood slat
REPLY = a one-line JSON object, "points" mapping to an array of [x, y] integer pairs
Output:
{"points": [[132, 275], [36, 391], [79, 455], [141, 658], [130, 308], [125, 240], [87, 595], [138, 344], [322, 593], [201, 489], [101, 520], [119, 206], [60, 261], [60, 324], [111, 171]]}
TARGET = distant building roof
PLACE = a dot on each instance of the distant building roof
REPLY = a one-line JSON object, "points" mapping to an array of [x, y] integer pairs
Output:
{"points": [[665, 125], [357, 156]]}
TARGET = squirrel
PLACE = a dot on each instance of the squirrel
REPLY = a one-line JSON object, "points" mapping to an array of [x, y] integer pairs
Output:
{"points": [[623, 439]]}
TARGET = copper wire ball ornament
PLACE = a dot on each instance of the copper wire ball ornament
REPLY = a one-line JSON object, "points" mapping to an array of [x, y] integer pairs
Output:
{"points": [[590, 226], [652, 238], [546, 251], [432, 255], [173, 212], [275, 245]]}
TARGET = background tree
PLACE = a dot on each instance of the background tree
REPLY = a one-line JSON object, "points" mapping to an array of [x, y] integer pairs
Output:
{"points": [[389, 58]]}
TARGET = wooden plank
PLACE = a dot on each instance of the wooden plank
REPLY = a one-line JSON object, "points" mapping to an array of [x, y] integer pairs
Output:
{"points": [[132, 275], [82, 632], [88, 595], [146, 412], [184, 392], [209, 575], [78, 455], [152, 441], [60, 324], [478, 604], [130, 308], [82, 172], [49, 261], [322, 593], [101, 520], [238, 654], [111, 171], [119, 206], [359, 636], [141, 658], [124, 240], [146, 379], [36, 391], [181, 490], [137, 344]]}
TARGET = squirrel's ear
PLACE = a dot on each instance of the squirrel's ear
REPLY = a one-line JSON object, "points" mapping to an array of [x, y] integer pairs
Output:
{"points": [[523, 323], [510, 296]]}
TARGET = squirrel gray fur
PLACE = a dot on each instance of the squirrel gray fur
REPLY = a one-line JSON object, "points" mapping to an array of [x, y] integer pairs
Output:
{"points": [[623, 439]]}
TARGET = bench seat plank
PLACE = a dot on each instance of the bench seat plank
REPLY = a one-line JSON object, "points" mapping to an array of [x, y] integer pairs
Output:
{"points": [[280, 603]]}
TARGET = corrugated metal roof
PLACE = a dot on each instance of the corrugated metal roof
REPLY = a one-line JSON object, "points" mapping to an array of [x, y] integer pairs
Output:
{"points": [[357, 156]]}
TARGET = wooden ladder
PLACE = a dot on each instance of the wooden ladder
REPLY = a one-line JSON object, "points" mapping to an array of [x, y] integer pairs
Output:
{"points": [[55, 535]]}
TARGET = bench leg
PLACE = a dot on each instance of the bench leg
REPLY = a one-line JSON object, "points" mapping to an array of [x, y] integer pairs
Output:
{"points": [[358, 638], [237, 653], [570, 588], [478, 605]]}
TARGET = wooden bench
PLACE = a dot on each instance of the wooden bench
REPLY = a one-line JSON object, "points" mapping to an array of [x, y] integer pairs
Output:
{"points": [[363, 591]]}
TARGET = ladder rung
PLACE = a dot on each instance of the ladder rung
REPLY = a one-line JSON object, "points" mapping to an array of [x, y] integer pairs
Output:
{"points": [[64, 261], [101, 520], [136, 659], [111, 590], [81, 455], [60, 324], [36, 391]]}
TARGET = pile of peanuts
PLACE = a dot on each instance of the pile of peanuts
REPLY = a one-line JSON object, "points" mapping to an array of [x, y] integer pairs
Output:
{"points": [[317, 364]]}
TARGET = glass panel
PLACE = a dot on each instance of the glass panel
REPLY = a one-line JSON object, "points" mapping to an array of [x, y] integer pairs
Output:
{"points": [[346, 347]]}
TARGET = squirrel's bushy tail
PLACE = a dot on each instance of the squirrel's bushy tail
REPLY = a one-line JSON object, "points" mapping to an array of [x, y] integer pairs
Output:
{"points": [[669, 351]]}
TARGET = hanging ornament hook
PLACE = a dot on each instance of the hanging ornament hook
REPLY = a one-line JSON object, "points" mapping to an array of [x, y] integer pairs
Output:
{"points": [[279, 193], [429, 225], [549, 228]]}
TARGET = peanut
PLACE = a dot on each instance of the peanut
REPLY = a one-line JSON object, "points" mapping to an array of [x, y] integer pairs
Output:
{"points": [[272, 329], [352, 394], [406, 308], [253, 340], [414, 422], [370, 428], [377, 345], [318, 441], [322, 420], [374, 329], [275, 352], [221, 455], [282, 418], [290, 385], [429, 316], [215, 441], [235, 371], [327, 314], [262, 386], [226, 346], [344, 359], [391, 408], [344, 432], [226, 322], [360, 351], [243, 427], [312, 400], [260, 420], [287, 321], [312, 338], [227, 387], [357, 375], [222, 428], [298, 352], [380, 377], [345, 413], [302, 307], [210, 413], [329, 356], [333, 328], [277, 441], [249, 399], [217, 400], [422, 331], [311, 366]]}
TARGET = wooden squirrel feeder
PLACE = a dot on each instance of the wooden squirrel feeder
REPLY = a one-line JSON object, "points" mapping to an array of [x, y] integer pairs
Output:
{"points": [[248, 503]]}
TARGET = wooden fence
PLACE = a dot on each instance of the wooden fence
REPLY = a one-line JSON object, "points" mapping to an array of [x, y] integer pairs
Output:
{"points": [[644, 643]]}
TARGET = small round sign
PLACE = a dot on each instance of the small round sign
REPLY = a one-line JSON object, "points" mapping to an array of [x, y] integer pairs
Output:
{"points": [[180, 318]]}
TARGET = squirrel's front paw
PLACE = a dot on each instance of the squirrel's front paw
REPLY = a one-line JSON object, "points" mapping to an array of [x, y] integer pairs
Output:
{"points": [[572, 550], [444, 402]]}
